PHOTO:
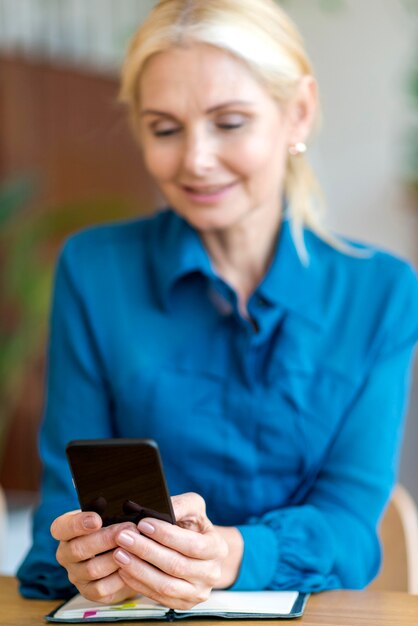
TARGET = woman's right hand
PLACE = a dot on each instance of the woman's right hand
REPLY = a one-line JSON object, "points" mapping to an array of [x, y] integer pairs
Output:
{"points": [[85, 550]]}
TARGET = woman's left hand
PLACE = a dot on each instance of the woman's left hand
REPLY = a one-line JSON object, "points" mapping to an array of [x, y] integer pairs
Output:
{"points": [[179, 565]]}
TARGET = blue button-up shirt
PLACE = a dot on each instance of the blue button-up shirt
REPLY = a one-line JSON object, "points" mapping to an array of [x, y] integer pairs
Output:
{"points": [[289, 425]]}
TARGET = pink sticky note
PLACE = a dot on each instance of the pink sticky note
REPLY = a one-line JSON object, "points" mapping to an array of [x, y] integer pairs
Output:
{"points": [[89, 614]]}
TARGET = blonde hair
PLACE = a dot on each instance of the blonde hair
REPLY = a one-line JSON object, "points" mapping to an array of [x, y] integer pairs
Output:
{"points": [[261, 35]]}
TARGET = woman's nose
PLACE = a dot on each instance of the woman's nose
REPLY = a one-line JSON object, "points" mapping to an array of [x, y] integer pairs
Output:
{"points": [[199, 154]]}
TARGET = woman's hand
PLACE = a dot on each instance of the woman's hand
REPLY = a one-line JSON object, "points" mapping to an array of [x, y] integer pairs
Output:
{"points": [[178, 566], [86, 552]]}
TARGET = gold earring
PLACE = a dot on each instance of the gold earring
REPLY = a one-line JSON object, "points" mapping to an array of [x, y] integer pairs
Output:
{"points": [[297, 149]]}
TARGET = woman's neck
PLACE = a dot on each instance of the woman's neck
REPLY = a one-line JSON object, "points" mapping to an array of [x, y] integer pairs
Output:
{"points": [[242, 254]]}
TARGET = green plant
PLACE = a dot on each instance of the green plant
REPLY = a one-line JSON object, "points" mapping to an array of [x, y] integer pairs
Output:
{"points": [[29, 241]]}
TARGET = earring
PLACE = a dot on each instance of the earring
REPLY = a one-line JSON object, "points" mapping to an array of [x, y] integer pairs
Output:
{"points": [[297, 149]]}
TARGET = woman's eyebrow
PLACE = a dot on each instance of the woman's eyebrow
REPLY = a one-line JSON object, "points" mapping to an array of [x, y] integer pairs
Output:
{"points": [[216, 107], [155, 112], [229, 103]]}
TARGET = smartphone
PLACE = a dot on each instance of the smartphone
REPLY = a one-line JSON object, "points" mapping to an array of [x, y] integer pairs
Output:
{"points": [[120, 479]]}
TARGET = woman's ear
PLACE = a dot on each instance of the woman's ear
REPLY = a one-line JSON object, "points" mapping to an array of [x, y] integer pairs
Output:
{"points": [[303, 110]]}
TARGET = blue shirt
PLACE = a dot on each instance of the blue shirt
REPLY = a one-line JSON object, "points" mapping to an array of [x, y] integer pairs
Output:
{"points": [[289, 426]]}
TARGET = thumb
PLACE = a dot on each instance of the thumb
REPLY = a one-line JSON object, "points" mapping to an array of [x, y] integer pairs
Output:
{"points": [[190, 512]]}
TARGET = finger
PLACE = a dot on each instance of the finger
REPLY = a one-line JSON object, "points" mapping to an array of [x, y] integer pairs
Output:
{"points": [[168, 560], [93, 569], [190, 511], [75, 524], [106, 590], [162, 584], [123, 595], [203, 546], [86, 547], [138, 586]]}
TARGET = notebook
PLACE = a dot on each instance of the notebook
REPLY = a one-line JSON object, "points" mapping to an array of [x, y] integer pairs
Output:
{"points": [[223, 604]]}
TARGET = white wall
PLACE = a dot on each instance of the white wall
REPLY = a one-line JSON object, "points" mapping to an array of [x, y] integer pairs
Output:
{"points": [[90, 34], [364, 55]]}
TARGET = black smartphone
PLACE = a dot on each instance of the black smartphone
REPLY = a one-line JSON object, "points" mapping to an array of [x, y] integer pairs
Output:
{"points": [[120, 479]]}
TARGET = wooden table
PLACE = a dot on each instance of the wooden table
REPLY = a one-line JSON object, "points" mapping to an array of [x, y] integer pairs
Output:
{"points": [[332, 608]]}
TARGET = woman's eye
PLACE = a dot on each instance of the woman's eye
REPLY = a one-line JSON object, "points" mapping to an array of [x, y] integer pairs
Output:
{"points": [[231, 122], [165, 131], [168, 132]]}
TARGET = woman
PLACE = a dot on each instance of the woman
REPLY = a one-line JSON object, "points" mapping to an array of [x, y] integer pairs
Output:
{"points": [[269, 359]]}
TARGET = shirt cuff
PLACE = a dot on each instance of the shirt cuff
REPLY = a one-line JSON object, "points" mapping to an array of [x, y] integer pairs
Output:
{"points": [[259, 559]]}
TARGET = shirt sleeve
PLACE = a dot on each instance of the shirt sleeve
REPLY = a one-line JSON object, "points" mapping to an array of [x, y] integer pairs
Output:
{"points": [[330, 539], [77, 406]]}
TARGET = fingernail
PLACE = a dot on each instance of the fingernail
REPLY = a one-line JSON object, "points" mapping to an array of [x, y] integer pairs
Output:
{"points": [[89, 522], [146, 528], [122, 557], [125, 538]]}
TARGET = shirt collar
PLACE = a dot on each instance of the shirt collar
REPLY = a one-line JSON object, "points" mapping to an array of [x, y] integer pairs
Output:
{"points": [[289, 282], [179, 251]]}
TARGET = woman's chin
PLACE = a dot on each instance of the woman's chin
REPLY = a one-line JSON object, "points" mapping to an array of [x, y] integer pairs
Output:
{"points": [[208, 219]]}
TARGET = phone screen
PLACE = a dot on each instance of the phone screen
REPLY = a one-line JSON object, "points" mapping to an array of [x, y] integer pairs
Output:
{"points": [[120, 479]]}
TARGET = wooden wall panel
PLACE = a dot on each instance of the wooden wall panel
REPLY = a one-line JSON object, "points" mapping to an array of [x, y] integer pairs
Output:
{"points": [[66, 127]]}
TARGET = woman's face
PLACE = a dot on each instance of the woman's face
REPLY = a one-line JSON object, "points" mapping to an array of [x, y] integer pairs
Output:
{"points": [[213, 138]]}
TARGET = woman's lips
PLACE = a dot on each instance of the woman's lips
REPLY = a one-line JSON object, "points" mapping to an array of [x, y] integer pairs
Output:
{"points": [[209, 194]]}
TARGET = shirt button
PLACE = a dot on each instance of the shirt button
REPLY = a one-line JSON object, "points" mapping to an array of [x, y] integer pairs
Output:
{"points": [[221, 304]]}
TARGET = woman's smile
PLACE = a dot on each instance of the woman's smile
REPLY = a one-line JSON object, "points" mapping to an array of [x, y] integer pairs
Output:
{"points": [[210, 194]]}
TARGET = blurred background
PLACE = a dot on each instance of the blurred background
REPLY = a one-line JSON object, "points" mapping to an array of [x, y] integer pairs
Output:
{"points": [[67, 160]]}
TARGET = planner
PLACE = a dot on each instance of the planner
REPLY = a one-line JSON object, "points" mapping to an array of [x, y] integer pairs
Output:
{"points": [[221, 604]]}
